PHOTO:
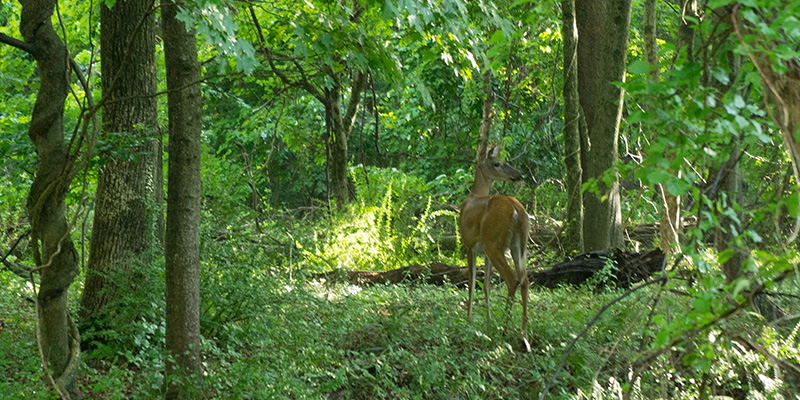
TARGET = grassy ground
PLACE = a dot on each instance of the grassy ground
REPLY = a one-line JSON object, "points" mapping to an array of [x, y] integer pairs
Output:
{"points": [[309, 340]]}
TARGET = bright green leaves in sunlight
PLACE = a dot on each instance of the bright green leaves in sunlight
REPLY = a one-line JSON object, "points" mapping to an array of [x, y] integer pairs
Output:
{"points": [[214, 22]]}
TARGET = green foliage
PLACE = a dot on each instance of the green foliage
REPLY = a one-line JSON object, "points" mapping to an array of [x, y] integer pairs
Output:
{"points": [[132, 331], [214, 22], [691, 124], [272, 330], [391, 227], [319, 340], [16, 105], [234, 281], [22, 370]]}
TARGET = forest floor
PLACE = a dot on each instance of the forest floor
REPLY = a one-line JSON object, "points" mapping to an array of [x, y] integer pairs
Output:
{"points": [[312, 340]]}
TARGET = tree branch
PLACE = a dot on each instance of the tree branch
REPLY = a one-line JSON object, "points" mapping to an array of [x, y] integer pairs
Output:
{"points": [[305, 84], [19, 44], [14, 42], [356, 89]]}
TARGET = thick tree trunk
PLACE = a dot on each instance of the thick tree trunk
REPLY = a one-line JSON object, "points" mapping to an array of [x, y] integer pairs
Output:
{"points": [[572, 138], [602, 213], [590, 17], [54, 251], [125, 205], [183, 368]]}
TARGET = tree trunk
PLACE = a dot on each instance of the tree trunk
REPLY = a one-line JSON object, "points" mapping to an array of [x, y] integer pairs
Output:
{"points": [[686, 28], [730, 179], [125, 217], [54, 251], [590, 17], [338, 139], [487, 115], [670, 207], [342, 125], [649, 39], [602, 213], [572, 139], [182, 242]]}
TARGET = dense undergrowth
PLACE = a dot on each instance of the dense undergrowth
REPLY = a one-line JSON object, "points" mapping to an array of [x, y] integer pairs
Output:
{"points": [[268, 336], [272, 330]]}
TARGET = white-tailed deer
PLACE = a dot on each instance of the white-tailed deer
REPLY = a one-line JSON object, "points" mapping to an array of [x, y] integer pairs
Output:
{"points": [[497, 223]]}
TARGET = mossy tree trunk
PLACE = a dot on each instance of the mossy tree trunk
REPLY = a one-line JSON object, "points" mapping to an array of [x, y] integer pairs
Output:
{"points": [[53, 251], [340, 129]]}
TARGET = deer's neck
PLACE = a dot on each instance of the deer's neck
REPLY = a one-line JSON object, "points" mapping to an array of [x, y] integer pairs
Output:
{"points": [[481, 185]]}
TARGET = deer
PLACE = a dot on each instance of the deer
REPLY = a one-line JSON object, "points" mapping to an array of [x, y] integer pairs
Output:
{"points": [[497, 223]]}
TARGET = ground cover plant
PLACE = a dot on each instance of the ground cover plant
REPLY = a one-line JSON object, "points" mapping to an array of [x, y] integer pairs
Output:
{"points": [[156, 246]]}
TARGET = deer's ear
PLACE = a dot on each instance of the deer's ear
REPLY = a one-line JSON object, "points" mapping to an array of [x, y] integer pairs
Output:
{"points": [[494, 152], [486, 153]]}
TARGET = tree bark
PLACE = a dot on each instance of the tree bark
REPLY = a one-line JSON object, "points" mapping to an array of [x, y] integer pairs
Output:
{"points": [[487, 115], [125, 217], [730, 179], [54, 252], [342, 125], [602, 212], [670, 207], [649, 39], [686, 28], [182, 243], [572, 138], [590, 17]]}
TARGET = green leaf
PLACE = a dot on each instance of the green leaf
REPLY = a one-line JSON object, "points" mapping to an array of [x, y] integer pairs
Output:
{"points": [[658, 176], [721, 75], [702, 305], [714, 4], [724, 256], [754, 236], [741, 284], [677, 187], [497, 37], [639, 67], [759, 133], [738, 101], [792, 204], [662, 338]]}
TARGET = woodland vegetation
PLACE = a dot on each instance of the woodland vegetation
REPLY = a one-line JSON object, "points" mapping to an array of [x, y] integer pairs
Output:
{"points": [[258, 200]]}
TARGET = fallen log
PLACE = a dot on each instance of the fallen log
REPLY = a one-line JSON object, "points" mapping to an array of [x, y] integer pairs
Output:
{"points": [[624, 269]]}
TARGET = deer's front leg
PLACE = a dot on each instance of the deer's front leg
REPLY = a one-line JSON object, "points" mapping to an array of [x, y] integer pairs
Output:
{"points": [[472, 270], [487, 284]]}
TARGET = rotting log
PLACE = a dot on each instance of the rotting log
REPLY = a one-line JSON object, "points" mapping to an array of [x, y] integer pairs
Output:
{"points": [[626, 269]]}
